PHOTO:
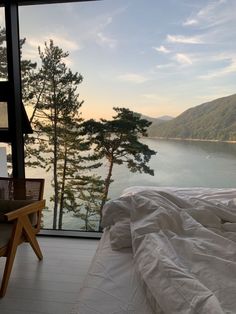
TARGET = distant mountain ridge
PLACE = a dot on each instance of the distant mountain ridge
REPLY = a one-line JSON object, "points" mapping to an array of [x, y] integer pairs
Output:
{"points": [[165, 118], [157, 120], [214, 120]]}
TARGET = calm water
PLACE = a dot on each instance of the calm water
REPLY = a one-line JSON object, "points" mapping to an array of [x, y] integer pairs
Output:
{"points": [[185, 164], [177, 163]]}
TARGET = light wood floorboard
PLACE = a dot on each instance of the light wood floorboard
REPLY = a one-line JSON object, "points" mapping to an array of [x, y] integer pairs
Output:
{"points": [[52, 285]]}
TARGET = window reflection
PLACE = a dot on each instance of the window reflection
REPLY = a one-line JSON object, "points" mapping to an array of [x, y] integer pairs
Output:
{"points": [[3, 115], [3, 46], [3, 161]]}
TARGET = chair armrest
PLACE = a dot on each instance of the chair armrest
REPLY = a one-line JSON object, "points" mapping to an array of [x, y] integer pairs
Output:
{"points": [[7, 206], [33, 207]]}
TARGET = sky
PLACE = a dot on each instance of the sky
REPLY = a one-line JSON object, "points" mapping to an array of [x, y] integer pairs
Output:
{"points": [[156, 57]]}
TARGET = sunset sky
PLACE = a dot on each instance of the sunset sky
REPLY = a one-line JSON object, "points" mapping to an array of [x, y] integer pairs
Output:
{"points": [[156, 57]]}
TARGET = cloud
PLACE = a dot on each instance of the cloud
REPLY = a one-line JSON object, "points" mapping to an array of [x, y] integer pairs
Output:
{"points": [[30, 49], [190, 22], [162, 49], [184, 39], [108, 20], [214, 13], [229, 69], [65, 43], [165, 66], [133, 78], [155, 97], [210, 8], [105, 40], [183, 59], [97, 30], [62, 41]]}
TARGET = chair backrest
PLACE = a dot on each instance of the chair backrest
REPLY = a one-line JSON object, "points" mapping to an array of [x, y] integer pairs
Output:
{"points": [[21, 189], [21, 206]]}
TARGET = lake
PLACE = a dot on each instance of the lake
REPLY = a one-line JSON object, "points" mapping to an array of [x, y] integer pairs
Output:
{"points": [[177, 163]]}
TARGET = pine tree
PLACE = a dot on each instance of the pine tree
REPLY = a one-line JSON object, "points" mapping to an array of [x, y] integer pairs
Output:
{"points": [[117, 141], [57, 121], [87, 194]]}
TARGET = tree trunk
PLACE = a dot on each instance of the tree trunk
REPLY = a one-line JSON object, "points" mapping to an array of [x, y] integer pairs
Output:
{"points": [[61, 205], [106, 190], [86, 219], [37, 103], [56, 188]]}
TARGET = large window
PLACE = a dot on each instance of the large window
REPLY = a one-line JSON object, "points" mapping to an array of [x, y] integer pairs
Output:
{"points": [[170, 62]]}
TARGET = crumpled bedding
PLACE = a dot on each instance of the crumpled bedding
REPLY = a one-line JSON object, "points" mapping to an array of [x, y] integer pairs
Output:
{"points": [[184, 247], [112, 285]]}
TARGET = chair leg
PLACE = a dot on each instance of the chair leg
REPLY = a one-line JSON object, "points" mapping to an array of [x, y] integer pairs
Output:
{"points": [[31, 237], [10, 258]]}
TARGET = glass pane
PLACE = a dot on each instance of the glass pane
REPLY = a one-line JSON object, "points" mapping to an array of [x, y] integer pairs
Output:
{"points": [[3, 115], [170, 61], [3, 160], [3, 47]]}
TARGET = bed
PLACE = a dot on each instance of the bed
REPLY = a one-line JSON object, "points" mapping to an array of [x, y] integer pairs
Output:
{"points": [[164, 250]]}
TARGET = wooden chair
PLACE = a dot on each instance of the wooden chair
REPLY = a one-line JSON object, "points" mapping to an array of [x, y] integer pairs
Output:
{"points": [[21, 206]]}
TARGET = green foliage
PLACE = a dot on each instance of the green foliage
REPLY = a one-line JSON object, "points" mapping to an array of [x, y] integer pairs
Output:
{"points": [[27, 74], [117, 141], [59, 145], [215, 120], [88, 193]]}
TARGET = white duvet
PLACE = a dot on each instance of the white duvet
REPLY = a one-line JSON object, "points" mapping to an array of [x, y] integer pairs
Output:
{"points": [[184, 247]]}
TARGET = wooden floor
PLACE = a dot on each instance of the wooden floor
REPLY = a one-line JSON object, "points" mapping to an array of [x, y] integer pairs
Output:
{"points": [[52, 285]]}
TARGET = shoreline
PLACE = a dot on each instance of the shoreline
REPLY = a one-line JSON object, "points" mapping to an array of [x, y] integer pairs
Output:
{"points": [[189, 139]]}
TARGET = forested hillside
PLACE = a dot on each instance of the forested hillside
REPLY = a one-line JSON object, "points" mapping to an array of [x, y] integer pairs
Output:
{"points": [[215, 120]]}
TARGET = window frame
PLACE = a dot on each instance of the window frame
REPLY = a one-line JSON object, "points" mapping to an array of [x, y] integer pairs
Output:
{"points": [[37, 2]]}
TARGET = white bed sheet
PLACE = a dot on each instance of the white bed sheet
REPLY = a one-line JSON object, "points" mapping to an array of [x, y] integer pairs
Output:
{"points": [[112, 285], [215, 195]]}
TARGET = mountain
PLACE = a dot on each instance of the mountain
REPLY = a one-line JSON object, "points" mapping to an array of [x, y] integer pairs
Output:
{"points": [[214, 120], [158, 120], [165, 118]]}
